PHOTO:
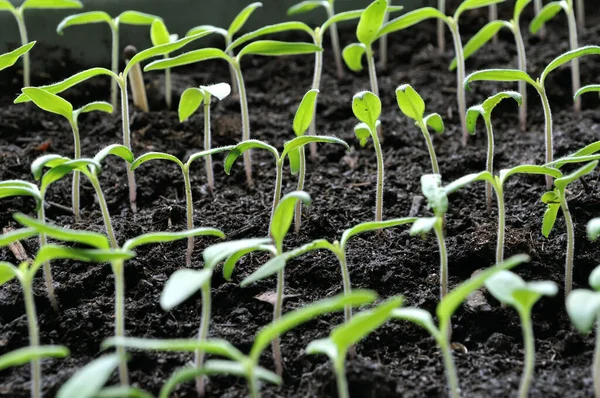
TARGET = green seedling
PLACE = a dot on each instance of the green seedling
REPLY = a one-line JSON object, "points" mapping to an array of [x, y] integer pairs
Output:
{"points": [[444, 311], [514, 75], [18, 13], [126, 17], [366, 106], [485, 111], [122, 81], [547, 13], [557, 200], [261, 47], [413, 106], [10, 58], [190, 101], [583, 307], [345, 336], [159, 34], [54, 104], [421, 14], [510, 289], [236, 25], [238, 364], [490, 30], [116, 257]]}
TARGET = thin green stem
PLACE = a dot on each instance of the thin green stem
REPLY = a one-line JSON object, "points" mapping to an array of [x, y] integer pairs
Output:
{"points": [[114, 64], [529, 345], [316, 85], [232, 74], [372, 72], [46, 266], [380, 175], [434, 163], [596, 366], [245, 121], [522, 65], [117, 268], [203, 335], [277, 311], [570, 244], [207, 145], [24, 40], [460, 77], [451, 374], [489, 164], [34, 337], [501, 226], [340, 378], [277, 191], [76, 175], [335, 43], [548, 131], [440, 26], [301, 177], [189, 205], [439, 233], [574, 44], [104, 209], [127, 142]]}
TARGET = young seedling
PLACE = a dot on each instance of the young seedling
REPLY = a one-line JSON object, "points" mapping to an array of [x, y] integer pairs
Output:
{"points": [[237, 363], [510, 289], [514, 75], [413, 106], [121, 79], [421, 14], [547, 13], [366, 106], [126, 17], [345, 336], [10, 58], [236, 25], [190, 101], [490, 30], [485, 111], [261, 47], [54, 104], [18, 13], [159, 34], [185, 169], [444, 311]]}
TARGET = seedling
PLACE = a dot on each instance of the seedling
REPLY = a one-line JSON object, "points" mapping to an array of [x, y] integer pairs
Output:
{"points": [[190, 101], [485, 111], [366, 106], [261, 47], [421, 14], [54, 104], [10, 58], [510, 289], [159, 34], [490, 30], [514, 75], [444, 311], [126, 17], [236, 25], [547, 13], [413, 106], [121, 79], [18, 13], [345, 336], [185, 169], [237, 363]]}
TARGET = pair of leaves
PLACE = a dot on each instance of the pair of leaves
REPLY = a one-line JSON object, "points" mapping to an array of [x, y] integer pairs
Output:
{"points": [[126, 17], [238, 23], [413, 106]]}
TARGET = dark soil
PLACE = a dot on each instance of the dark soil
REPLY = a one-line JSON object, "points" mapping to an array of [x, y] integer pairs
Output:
{"points": [[398, 359]]}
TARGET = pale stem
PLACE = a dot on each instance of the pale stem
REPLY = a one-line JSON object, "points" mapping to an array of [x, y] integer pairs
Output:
{"points": [[277, 190], [114, 65], [451, 373], [316, 85], [168, 92], [203, 335], [341, 381], [529, 345], [117, 267], [501, 226], [383, 46], [34, 337], [596, 366], [372, 72], [570, 244], [234, 87], [253, 386], [537, 7], [522, 65], [434, 162], [548, 131], [380, 176], [335, 43], [76, 174], [580, 14], [104, 209], [46, 266], [493, 16], [24, 40], [189, 204], [439, 233], [207, 145], [489, 165], [245, 121], [301, 177], [574, 44], [127, 143], [276, 316], [440, 26], [341, 255], [460, 77]]}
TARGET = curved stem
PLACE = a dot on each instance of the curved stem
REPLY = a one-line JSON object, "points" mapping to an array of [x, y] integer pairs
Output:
{"points": [[47, 269], [451, 373], [439, 233], [203, 335], [114, 64], [440, 26], [501, 226], [316, 85], [207, 145], [548, 131], [522, 65], [104, 210], [301, 177], [34, 337], [189, 205], [76, 174], [335, 43], [277, 311], [277, 191], [570, 244], [341, 381], [574, 44], [529, 345], [245, 121], [434, 163], [127, 143], [24, 40], [489, 164], [380, 176], [460, 77], [596, 366], [117, 267]]}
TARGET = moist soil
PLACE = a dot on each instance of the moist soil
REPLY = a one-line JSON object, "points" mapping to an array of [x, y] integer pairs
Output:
{"points": [[396, 360]]}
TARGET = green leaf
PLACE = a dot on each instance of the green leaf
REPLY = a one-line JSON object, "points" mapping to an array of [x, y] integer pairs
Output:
{"points": [[16, 235], [549, 218], [340, 17], [294, 159], [276, 48], [567, 57], [231, 262], [306, 6], [271, 29], [52, 160], [411, 18], [219, 90], [50, 102], [498, 75], [304, 114], [587, 89], [58, 172], [410, 102], [165, 237], [503, 284], [10, 190], [490, 103], [562, 182], [473, 4], [136, 18], [528, 169], [546, 13], [284, 213], [8, 272], [594, 279], [118, 150], [269, 268], [423, 226], [583, 307], [214, 254], [437, 199], [370, 22], [593, 229], [212, 151], [352, 55], [418, 317], [123, 392], [50, 4], [468, 179], [301, 141], [10, 58], [366, 106], [181, 285], [190, 57], [526, 297], [240, 20], [100, 106], [51, 252], [373, 226], [519, 6], [473, 114], [84, 19], [154, 156], [245, 146], [159, 34], [24, 355], [5, 5], [207, 28], [294, 318], [435, 121], [325, 347], [190, 101], [362, 132], [89, 380], [480, 39]]}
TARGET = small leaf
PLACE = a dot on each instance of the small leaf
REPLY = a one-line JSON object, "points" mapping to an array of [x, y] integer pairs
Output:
{"points": [[480, 39], [284, 214], [154, 156], [51, 252], [363, 133], [373, 226], [490, 103], [519, 6], [190, 101], [89, 380], [468, 179], [294, 159], [370, 22], [202, 154], [118, 150], [84, 19], [7, 273], [187, 58], [10, 58], [240, 148], [50, 4], [305, 112], [24, 355], [16, 235], [503, 284], [411, 18], [326, 347], [340, 17], [165, 237], [207, 28], [562, 182], [410, 102], [136, 18], [181, 285], [593, 229], [546, 13], [498, 75], [592, 88], [269, 30], [159, 33], [240, 20], [418, 317], [435, 121], [12, 188], [231, 262], [366, 107], [431, 185], [58, 172], [567, 57], [274, 48], [352, 55], [219, 90], [473, 114], [528, 169], [549, 218], [269, 268], [50, 102], [214, 254], [5, 5], [306, 6], [583, 307], [473, 4], [100, 106], [38, 165], [303, 140], [594, 279]]}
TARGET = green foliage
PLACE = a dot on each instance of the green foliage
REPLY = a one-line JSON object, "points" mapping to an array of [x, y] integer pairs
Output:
{"points": [[182, 284], [89, 380], [370, 22], [10, 58], [366, 106], [546, 13], [486, 108], [509, 288], [193, 97], [24, 355], [305, 113]]}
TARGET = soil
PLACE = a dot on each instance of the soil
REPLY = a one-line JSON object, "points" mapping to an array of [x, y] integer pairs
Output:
{"points": [[398, 359]]}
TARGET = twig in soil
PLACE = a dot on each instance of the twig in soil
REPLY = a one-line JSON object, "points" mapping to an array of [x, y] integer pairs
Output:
{"points": [[16, 247]]}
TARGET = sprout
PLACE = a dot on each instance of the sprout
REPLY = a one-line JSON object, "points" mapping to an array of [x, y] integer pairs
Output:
{"points": [[237, 363], [413, 106], [547, 13], [343, 337], [190, 101], [121, 79], [444, 311], [126, 17], [262, 47], [185, 169], [509, 288], [10, 58], [366, 106], [18, 13], [54, 104], [421, 14], [236, 25], [159, 34], [490, 30], [514, 75]]}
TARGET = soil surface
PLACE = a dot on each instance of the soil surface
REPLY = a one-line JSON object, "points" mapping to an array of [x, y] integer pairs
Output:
{"points": [[398, 359]]}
